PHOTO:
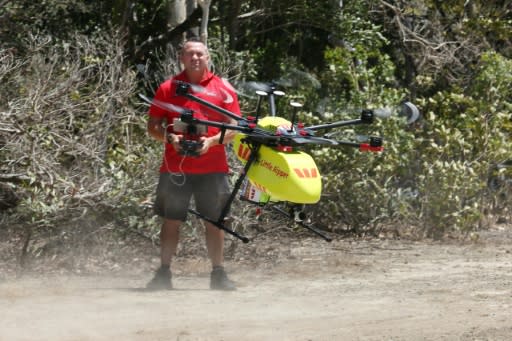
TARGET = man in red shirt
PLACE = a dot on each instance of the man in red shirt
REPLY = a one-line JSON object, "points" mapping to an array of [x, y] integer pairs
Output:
{"points": [[205, 176]]}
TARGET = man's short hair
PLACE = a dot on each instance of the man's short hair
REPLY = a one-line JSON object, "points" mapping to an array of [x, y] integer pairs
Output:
{"points": [[194, 39]]}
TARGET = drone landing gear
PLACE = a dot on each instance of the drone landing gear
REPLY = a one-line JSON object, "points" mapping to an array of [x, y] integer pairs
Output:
{"points": [[297, 214], [221, 224]]}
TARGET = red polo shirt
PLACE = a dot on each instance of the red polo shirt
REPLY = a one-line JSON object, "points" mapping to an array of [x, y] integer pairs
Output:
{"points": [[216, 91]]}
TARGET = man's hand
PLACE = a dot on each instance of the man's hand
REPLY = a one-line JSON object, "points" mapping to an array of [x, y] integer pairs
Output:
{"points": [[207, 143], [211, 141], [175, 139]]}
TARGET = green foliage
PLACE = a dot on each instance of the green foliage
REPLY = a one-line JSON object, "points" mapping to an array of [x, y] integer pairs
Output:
{"points": [[278, 30], [360, 189], [58, 18], [432, 175], [75, 138], [463, 135], [493, 83]]}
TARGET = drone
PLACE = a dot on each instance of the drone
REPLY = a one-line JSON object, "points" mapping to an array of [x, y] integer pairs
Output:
{"points": [[275, 169]]}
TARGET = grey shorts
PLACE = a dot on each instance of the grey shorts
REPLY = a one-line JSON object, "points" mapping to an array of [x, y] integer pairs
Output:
{"points": [[210, 193]]}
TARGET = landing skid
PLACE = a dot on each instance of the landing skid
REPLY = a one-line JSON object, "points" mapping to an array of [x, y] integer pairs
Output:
{"points": [[295, 213], [299, 217], [221, 224]]}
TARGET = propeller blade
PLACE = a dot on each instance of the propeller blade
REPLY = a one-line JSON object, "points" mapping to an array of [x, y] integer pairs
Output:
{"points": [[164, 105], [243, 90], [382, 112], [297, 79], [407, 109], [362, 138], [258, 86], [199, 89], [250, 88], [410, 111], [223, 93]]}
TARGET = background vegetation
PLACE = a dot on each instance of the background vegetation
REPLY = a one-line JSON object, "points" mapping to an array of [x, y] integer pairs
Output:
{"points": [[73, 146]]}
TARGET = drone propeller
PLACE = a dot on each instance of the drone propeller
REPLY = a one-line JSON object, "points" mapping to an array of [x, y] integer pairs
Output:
{"points": [[199, 89], [382, 112], [295, 78], [407, 109], [254, 87], [222, 94], [164, 105], [410, 111], [185, 89]]}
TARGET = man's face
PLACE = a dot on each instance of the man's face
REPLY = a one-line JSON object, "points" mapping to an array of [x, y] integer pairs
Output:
{"points": [[194, 57]]}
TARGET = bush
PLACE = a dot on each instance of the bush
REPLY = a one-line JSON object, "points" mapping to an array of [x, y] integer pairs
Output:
{"points": [[75, 133], [433, 175]]}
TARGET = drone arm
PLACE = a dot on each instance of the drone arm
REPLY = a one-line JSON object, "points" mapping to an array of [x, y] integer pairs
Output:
{"points": [[253, 133], [374, 145], [190, 119], [364, 147], [335, 124], [366, 118], [225, 135]]}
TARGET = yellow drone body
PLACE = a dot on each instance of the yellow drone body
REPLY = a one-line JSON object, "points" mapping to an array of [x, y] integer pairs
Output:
{"points": [[284, 175]]}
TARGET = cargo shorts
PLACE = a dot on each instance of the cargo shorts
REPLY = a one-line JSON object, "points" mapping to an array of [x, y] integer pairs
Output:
{"points": [[175, 191]]}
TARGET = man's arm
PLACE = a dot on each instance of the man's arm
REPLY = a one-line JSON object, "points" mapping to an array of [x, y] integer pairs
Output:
{"points": [[214, 140], [156, 129]]}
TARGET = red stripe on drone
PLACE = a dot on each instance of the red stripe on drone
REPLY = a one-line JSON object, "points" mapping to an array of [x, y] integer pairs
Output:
{"points": [[306, 173], [244, 152]]}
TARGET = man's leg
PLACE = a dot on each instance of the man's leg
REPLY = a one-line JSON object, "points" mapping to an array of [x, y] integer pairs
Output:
{"points": [[169, 238], [171, 203], [210, 201], [215, 244]]}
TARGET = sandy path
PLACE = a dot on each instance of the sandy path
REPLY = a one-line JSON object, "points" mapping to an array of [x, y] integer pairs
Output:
{"points": [[389, 290]]}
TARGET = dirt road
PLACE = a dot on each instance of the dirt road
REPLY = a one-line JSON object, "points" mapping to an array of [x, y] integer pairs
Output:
{"points": [[344, 290]]}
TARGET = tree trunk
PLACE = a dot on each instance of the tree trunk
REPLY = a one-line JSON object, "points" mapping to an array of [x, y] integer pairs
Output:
{"points": [[233, 23], [181, 10], [205, 7], [177, 12]]}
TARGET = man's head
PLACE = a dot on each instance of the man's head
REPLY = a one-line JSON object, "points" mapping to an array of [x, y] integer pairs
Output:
{"points": [[195, 58]]}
